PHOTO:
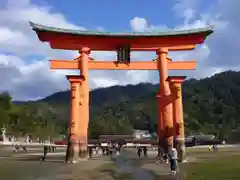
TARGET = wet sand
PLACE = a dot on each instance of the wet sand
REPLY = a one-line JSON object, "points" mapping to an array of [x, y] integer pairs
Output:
{"points": [[28, 166], [126, 166]]}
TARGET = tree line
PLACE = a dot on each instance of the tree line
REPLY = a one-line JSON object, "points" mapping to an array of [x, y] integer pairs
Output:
{"points": [[211, 106]]}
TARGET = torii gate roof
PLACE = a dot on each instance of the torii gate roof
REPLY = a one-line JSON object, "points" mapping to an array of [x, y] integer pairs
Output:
{"points": [[69, 39]]}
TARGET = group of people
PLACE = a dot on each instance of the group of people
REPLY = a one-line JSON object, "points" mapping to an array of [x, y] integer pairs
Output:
{"points": [[165, 157], [46, 149], [106, 150], [142, 149], [17, 148]]}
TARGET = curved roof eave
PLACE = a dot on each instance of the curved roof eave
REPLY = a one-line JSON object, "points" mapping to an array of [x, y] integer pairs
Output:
{"points": [[43, 28]]}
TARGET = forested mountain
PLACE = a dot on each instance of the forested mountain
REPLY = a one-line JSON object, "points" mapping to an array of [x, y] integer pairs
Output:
{"points": [[211, 105]]}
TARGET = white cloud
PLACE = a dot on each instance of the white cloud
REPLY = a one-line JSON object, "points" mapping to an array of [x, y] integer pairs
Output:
{"points": [[223, 45], [24, 68], [16, 34], [28, 78], [8, 36], [139, 24], [221, 49], [24, 77]]}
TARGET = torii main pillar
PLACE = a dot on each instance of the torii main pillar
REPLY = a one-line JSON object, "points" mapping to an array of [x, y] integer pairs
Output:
{"points": [[165, 104], [72, 153]]}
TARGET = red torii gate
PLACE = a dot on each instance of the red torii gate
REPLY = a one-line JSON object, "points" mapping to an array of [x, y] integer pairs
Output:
{"points": [[170, 119]]}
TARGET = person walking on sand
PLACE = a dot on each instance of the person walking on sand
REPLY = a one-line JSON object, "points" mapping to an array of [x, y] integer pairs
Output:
{"points": [[215, 148], [139, 151], [45, 151], [96, 150], [159, 158], [173, 160], [90, 152], [103, 151], [145, 151], [165, 156], [117, 149]]}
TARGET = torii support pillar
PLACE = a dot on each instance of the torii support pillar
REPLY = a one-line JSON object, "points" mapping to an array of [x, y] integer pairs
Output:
{"points": [[72, 153], [165, 92], [176, 88]]}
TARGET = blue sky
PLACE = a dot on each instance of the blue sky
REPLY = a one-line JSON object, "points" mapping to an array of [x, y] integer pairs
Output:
{"points": [[24, 59], [115, 15]]}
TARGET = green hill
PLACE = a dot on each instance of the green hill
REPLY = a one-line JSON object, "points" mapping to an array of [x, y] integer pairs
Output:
{"points": [[211, 105]]}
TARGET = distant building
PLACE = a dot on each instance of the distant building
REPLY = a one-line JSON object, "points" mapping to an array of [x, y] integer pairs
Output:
{"points": [[141, 134], [202, 136], [107, 138], [202, 139]]}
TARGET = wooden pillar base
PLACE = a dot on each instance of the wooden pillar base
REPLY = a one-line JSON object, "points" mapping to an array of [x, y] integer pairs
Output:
{"points": [[72, 153], [181, 150], [83, 154], [83, 151]]}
